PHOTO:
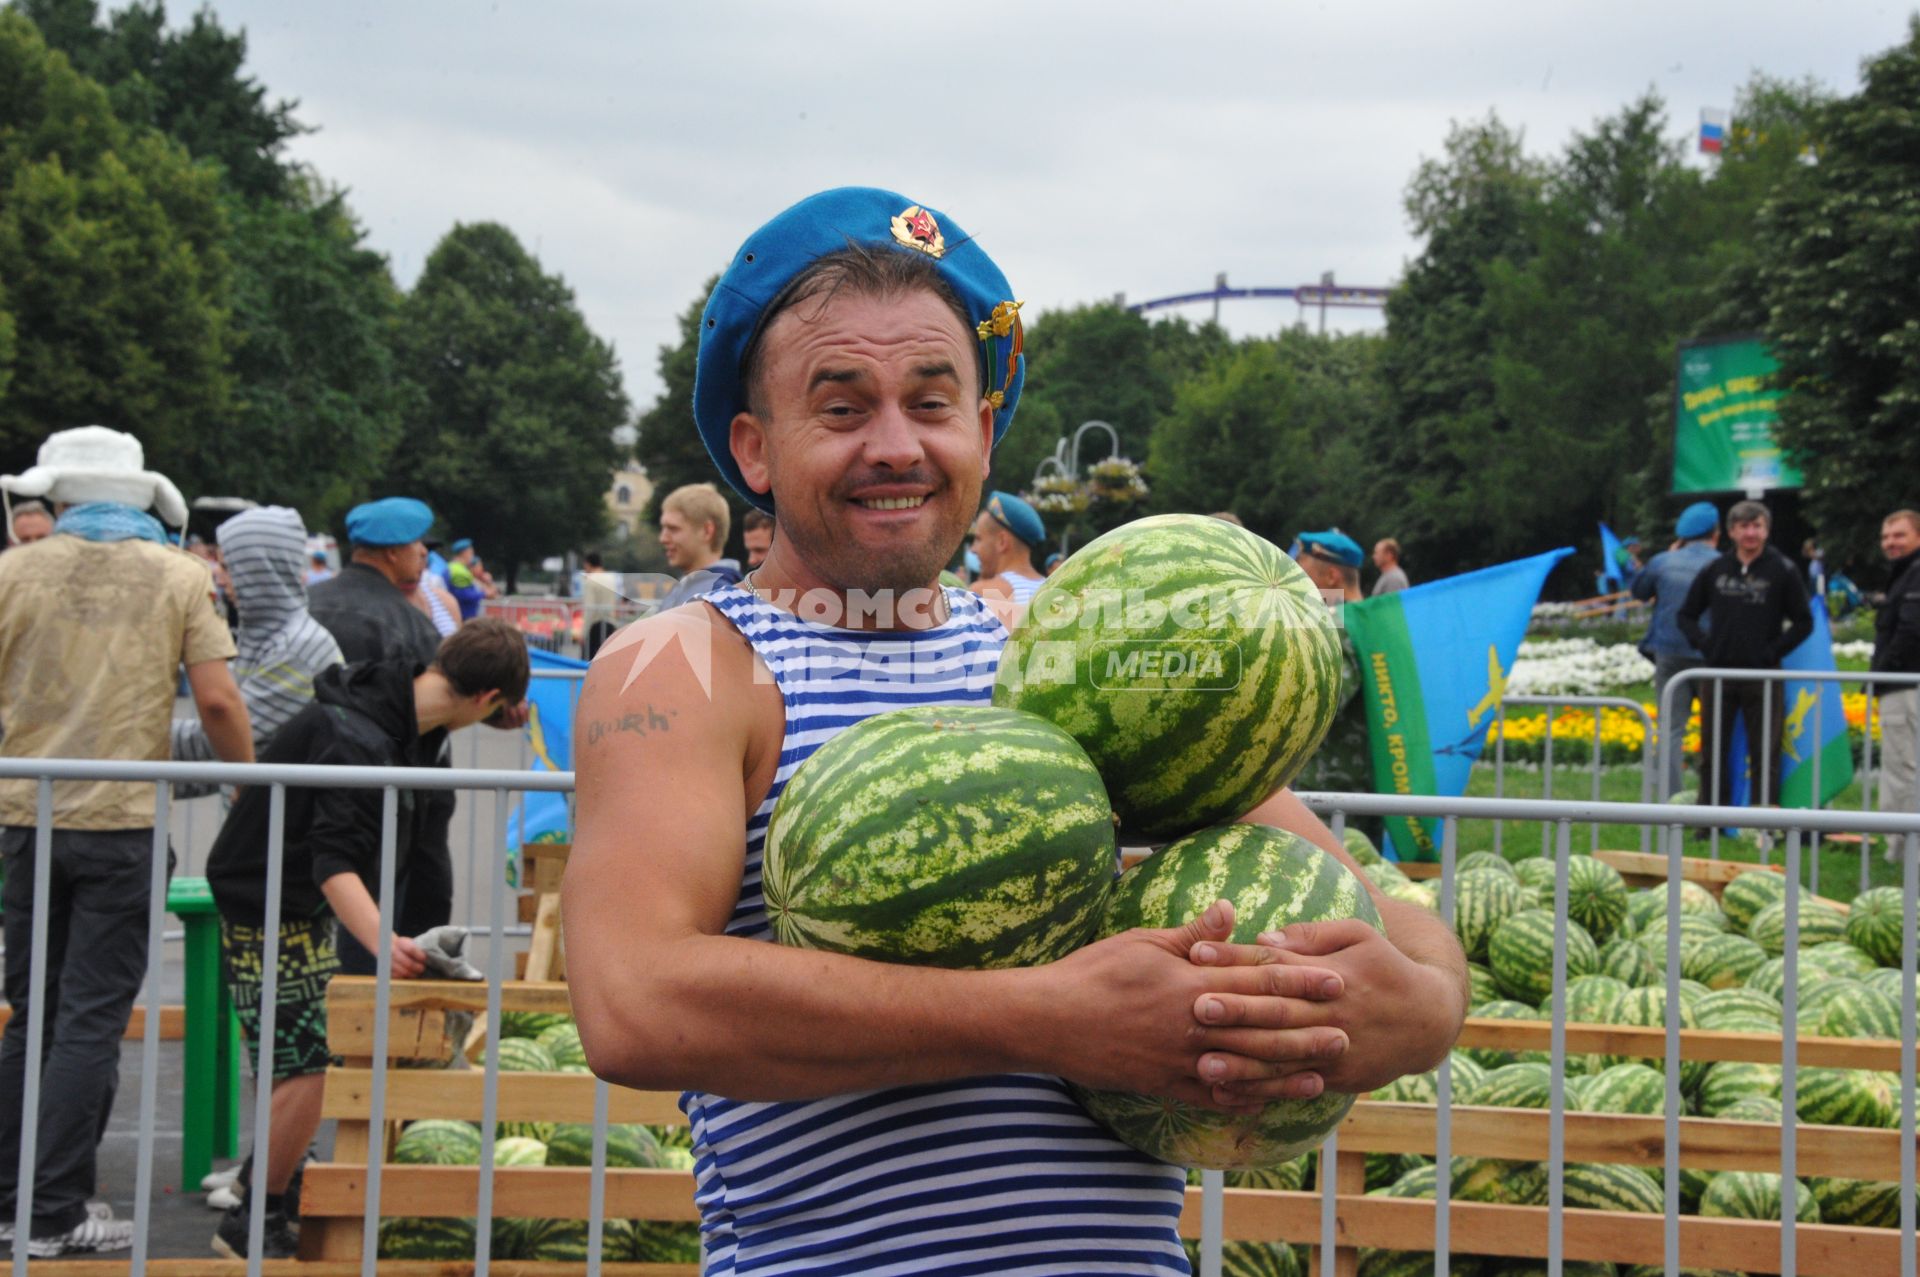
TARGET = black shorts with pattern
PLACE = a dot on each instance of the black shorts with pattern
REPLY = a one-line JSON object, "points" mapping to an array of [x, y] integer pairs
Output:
{"points": [[307, 961]]}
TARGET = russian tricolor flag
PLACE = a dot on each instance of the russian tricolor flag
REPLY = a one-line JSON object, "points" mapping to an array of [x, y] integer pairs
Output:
{"points": [[1713, 130]]}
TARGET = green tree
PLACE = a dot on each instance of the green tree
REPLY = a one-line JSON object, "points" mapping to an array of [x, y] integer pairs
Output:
{"points": [[1839, 270], [669, 447], [1278, 431], [1471, 207], [187, 83], [111, 246], [510, 437], [319, 401]]}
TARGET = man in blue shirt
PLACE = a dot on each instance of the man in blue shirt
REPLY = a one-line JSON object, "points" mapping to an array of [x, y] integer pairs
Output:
{"points": [[1666, 580]]}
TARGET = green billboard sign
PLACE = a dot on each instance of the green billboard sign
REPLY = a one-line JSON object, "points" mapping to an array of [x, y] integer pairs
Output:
{"points": [[1724, 407]]}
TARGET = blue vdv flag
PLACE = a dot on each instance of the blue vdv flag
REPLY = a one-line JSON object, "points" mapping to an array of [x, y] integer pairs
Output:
{"points": [[544, 817], [1434, 661], [1612, 555], [1813, 726]]}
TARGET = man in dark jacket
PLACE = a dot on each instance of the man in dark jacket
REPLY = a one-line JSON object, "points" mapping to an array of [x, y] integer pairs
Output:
{"points": [[376, 714], [1896, 650], [367, 611], [1757, 609]]}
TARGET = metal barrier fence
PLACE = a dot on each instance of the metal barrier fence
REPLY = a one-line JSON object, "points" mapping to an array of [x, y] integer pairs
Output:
{"points": [[1597, 704], [1337, 1234]]}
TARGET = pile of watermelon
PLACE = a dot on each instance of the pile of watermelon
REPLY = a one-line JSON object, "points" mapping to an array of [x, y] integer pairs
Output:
{"points": [[535, 1043], [1732, 969], [1166, 679]]}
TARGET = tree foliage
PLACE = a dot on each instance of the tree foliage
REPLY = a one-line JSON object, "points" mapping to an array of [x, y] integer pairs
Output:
{"points": [[1839, 273], [510, 437], [112, 249], [669, 446]]}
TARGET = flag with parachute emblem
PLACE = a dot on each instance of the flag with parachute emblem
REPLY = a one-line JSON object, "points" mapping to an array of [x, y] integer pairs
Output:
{"points": [[1434, 661], [544, 817], [1814, 726]]}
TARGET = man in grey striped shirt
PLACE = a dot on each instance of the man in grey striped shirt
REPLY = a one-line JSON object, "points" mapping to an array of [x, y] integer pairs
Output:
{"points": [[281, 646]]}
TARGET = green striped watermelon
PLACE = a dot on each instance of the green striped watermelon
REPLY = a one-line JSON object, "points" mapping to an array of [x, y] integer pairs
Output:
{"points": [[1486, 860], [1382, 873], [1730, 1081], [402, 1237], [1521, 954], [1591, 998], [1511, 1086], [1537, 872], [1817, 990], [1858, 1011], [641, 1241], [1859, 1203], [1644, 906], [438, 1141], [1596, 896], [1605, 1186], [1838, 957], [1193, 661], [538, 1131], [524, 1055], [1754, 1195], [1488, 1057], [1876, 923], [1819, 922], [1647, 1008], [1625, 1088], [1413, 1263], [552, 1240], [1407, 892], [1721, 961], [1360, 847], [563, 1044], [1286, 1177], [529, 1024], [1411, 1088], [1500, 1183], [1421, 1181], [1273, 879], [1770, 979], [1484, 898], [1624, 960], [1737, 1005], [1846, 1097], [629, 1145], [1749, 893], [1481, 986], [519, 1151], [1887, 980], [1384, 1169], [1691, 991], [1694, 932], [1754, 1108], [967, 837], [1251, 1259], [1466, 1071]]}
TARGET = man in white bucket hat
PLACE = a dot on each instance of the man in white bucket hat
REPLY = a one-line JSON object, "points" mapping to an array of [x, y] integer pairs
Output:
{"points": [[94, 622]]}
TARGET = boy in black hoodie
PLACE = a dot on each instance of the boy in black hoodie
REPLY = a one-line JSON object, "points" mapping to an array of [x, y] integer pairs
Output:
{"points": [[379, 714], [1757, 611]]}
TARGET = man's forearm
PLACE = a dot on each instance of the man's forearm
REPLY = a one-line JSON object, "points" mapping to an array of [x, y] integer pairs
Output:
{"points": [[355, 907], [230, 733]]}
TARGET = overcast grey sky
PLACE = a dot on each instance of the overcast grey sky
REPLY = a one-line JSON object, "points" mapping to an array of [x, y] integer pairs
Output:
{"points": [[1091, 148]]}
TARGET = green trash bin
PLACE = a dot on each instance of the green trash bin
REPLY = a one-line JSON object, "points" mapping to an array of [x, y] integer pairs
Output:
{"points": [[210, 1102]]}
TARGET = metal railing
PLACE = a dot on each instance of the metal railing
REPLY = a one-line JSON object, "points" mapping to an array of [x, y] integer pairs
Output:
{"points": [[1597, 704], [1562, 815]]}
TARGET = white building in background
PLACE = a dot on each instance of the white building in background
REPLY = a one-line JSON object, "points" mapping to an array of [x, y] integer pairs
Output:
{"points": [[627, 498]]}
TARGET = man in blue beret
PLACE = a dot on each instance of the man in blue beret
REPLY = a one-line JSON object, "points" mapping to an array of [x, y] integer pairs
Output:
{"points": [[1005, 536], [858, 360], [1664, 582], [1331, 560], [1344, 761]]}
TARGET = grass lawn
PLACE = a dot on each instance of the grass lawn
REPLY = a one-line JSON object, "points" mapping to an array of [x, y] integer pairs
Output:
{"points": [[1839, 867]]}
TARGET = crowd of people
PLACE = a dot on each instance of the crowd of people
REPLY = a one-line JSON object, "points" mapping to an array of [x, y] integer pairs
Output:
{"points": [[103, 603]]}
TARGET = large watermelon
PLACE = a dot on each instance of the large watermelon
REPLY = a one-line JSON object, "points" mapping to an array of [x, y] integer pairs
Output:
{"points": [[1273, 879], [1859, 1011], [1876, 923], [1606, 1186], [1624, 960], [1193, 660], [648, 1242], [1484, 898], [628, 1145], [403, 1237], [1846, 1097], [1754, 1195], [1862, 1203], [1511, 1086], [1819, 923], [1730, 1081], [1625, 1088], [1537, 872], [1837, 957], [1721, 961], [1596, 896], [951, 837], [1754, 1108], [1723, 1008], [1749, 893], [438, 1142], [1521, 954], [1490, 1057]]}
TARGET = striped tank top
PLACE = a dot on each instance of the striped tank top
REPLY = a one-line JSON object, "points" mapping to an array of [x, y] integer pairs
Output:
{"points": [[1023, 587], [1002, 1175]]}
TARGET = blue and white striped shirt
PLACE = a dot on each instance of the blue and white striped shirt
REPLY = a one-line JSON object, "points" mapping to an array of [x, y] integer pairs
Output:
{"points": [[997, 1175]]}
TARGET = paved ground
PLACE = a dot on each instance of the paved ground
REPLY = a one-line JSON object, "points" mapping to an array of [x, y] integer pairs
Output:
{"points": [[182, 1225]]}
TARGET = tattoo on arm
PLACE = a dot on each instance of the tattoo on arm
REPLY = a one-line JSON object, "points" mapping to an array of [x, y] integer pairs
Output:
{"points": [[647, 722]]}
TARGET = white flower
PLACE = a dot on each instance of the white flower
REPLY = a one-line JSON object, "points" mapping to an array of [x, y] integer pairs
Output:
{"points": [[1576, 667]]}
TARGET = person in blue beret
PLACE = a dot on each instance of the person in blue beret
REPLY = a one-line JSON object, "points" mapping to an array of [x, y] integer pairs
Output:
{"points": [[858, 360], [1664, 582], [1005, 536], [1331, 560]]}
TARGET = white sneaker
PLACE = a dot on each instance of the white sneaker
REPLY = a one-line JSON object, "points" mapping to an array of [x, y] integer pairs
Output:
{"points": [[90, 1236], [220, 1179], [95, 1210], [224, 1197]]}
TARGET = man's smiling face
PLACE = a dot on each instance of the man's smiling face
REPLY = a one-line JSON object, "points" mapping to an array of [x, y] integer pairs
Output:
{"points": [[871, 433]]}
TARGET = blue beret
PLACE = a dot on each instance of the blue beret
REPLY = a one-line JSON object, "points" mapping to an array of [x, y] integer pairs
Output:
{"points": [[818, 225], [1697, 520], [1334, 544], [1017, 517], [389, 521], [464, 543]]}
